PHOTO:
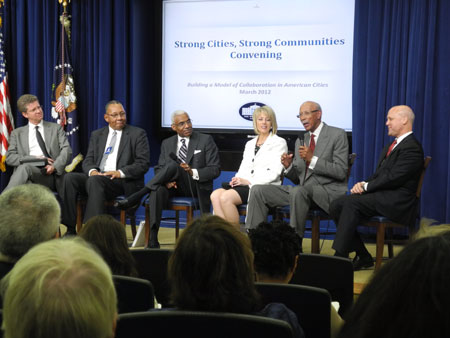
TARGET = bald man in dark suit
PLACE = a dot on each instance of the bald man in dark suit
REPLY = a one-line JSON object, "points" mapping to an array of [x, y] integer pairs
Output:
{"points": [[118, 157], [390, 191]]}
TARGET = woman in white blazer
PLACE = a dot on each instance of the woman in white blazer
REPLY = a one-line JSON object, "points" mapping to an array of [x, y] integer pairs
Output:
{"points": [[261, 164]]}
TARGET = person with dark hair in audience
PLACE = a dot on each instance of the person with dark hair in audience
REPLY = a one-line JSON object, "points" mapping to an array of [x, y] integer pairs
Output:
{"points": [[109, 237], [211, 269], [260, 165], [59, 289], [408, 297], [30, 214], [277, 249]]}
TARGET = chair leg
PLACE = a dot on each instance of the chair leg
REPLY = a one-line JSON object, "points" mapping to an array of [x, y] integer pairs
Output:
{"points": [[177, 224], [147, 224], [123, 218], [79, 224], [315, 236], [390, 237], [380, 245]]}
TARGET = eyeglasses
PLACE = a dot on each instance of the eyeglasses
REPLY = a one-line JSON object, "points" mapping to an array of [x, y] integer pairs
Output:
{"points": [[183, 123], [307, 113], [35, 109], [121, 114]]}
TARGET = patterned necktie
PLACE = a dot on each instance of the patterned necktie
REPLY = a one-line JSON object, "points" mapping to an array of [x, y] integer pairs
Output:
{"points": [[108, 150], [182, 153], [312, 146], [41, 142], [391, 147]]}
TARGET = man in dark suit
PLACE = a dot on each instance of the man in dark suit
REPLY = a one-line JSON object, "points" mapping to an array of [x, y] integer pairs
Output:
{"points": [[390, 191], [190, 172], [38, 140], [117, 159], [320, 170]]}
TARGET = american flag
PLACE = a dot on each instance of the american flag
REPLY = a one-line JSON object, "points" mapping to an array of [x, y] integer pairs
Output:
{"points": [[6, 119], [64, 100]]}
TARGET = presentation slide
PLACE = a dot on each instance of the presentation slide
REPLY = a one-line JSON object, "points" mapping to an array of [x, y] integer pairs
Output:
{"points": [[222, 59]]}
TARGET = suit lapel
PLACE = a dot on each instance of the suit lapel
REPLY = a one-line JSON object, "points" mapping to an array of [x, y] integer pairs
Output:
{"points": [[193, 141], [48, 136], [320, 145], [124, 139], [102, 144], [24, 138]]}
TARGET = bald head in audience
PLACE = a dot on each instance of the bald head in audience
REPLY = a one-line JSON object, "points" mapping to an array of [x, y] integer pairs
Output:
{"points": [[59, 289]]}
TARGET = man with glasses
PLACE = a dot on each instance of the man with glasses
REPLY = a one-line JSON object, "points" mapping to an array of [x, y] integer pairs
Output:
{"points": [[187, 166], [38, 151], [117, 159], [318, 167]]}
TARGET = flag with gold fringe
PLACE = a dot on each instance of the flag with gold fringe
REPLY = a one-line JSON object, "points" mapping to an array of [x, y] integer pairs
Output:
{"points": [[64, 100], [6, 119]]}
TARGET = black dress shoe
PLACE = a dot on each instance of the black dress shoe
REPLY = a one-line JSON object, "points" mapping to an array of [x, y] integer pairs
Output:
{"points": [[124, 204], [360, 263]]}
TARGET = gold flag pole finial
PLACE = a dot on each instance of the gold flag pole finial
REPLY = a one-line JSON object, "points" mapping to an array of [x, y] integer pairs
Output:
{"points": [[64, 3]]}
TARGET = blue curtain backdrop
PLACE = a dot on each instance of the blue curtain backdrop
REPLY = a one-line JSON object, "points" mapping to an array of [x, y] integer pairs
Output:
{"points": [[401, 56]]}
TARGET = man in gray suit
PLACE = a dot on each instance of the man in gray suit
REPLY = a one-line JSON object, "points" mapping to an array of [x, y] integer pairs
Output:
{"points": [[319, 169], [117, 159], [38, 140]]}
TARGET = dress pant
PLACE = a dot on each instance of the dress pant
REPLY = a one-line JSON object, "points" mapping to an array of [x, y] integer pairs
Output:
{"points": [[97, 189], [348, 212]]}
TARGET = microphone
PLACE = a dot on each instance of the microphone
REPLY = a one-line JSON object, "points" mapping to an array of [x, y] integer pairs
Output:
{"points": [[174, 157], [177, 160]]}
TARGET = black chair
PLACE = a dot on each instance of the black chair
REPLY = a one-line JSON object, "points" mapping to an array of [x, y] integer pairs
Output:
{"points": [[334, 274], [151, 265], [133, 294], [189, 324], [310, 304]]}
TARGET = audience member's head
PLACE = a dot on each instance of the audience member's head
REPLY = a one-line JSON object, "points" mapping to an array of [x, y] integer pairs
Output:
{"points": [[211, 268], [59, 289], [30, 214], [110, 238], [276, 247], [408, 297], [429, 227]]}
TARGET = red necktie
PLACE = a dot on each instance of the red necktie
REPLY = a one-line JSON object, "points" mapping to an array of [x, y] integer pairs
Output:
{"points": [[312, 146], [391, 147]]}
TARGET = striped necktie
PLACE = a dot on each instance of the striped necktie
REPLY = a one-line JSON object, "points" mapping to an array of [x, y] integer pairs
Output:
{"points": [[182, 153]]}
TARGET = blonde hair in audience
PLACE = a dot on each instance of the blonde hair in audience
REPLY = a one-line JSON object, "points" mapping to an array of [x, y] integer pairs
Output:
{"points": [[59, 289]]}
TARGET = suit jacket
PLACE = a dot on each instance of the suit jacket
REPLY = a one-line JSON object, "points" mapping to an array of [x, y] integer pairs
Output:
{"points": [[265, 167], [202, 155], [133, 157], [395, 180], [56, 144], [328, 179]]}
